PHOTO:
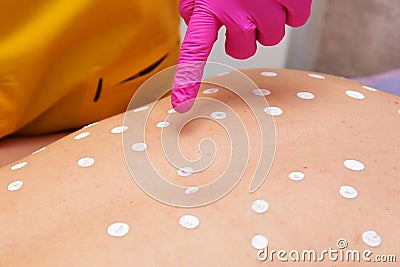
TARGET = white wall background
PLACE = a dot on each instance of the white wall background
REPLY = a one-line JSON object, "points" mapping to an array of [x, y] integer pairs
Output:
{"points": [[270, 57]]}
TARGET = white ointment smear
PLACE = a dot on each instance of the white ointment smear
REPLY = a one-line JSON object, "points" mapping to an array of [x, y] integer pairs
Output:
{"points": [[354, 165], [162, 124], [259, 242], [39, 150], [355, 94], [86, 162], [269, 74], [218, 115], [370, 88], [14, 186], [119, 129], [118, 229], [141, 109], [260, 206], [189, 221], [18, 165], [371, 238], [185, 171], [261, 92], [139, 147], [82, 135], [191, 190], [210, 91], [347, 191], [316, 76], [305, 95], [296, 176], [273, 111]]}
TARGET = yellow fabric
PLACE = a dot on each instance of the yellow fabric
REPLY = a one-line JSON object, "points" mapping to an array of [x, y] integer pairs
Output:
{"points": [[54, 52]]}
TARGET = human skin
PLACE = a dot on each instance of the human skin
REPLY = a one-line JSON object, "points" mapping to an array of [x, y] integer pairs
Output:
{"points": [[60, 216]]}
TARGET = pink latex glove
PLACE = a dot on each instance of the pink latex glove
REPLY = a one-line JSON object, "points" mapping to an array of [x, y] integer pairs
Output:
{"points": [[246, 22]]}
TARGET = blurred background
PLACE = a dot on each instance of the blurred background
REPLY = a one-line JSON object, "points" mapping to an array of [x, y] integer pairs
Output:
{"points": [[357, 39]]}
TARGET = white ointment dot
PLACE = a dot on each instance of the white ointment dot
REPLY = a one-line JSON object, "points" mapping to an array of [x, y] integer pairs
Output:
{"points": [[82, 135], [170, 111], [371, 238], [296, 176], [316, 76], [355, 94], [260, 206], [210, 91], [39, 150], [269, 74], [162, 124], [259, 242], [86, 162], [189, 221], [370, 88], [119, 129], [305, 95], [141, 109], [185, 171], [139, 147], [218, 115], [118, 229], [347, 191], [14, 186], [273, 111], [191, 190], [18, 165], [261, 92], [223, 73], [354, 165], [89, 125]]}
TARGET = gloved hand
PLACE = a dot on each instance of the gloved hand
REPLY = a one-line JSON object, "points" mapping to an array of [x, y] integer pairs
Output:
{"points": [[245, 20]]}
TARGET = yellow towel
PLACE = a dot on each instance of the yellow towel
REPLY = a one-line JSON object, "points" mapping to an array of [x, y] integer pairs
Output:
{"points": [[66, 63]]}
